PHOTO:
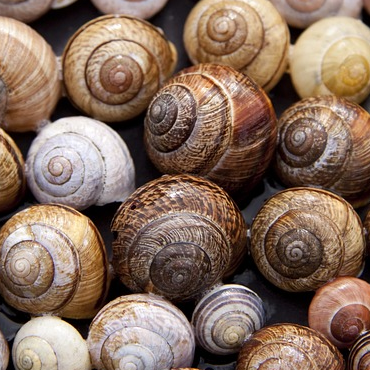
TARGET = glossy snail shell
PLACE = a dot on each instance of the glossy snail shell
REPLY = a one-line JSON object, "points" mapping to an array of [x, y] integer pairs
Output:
{"points": [[210, 120], [248, 35], [334, 54], [53, 261], [140, 331], [301, 238], [48, 342], [359, 354], [4, 352], [177, 236], [114, 64], [79, 162]]}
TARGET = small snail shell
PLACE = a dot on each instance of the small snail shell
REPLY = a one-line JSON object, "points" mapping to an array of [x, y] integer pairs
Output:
{"points": [[177, 236], [225, 317], [248, 35], [48, 342], [114, 64], [303, 237], [359, 354], [53, 261], [79, 162], [140, 331], [334, 54], [340, 310], [285, 345], [4, 352], [212, 121]]}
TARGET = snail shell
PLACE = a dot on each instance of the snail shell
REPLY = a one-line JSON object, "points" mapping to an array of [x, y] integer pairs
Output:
{"points": [[367, 5], [334, 54], [140, 331], [303, 237], [283, 346], [225, 317], [323, 142], [53, 261], [114, 64], [177, 236], [47, 343], [359, 354], [4, 352], [79, 162], [210, 120], [340, 310], [248, 35]]}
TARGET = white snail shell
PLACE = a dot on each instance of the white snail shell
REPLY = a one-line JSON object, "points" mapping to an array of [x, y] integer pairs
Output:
{"points": [[4, 352], [79, 162]]}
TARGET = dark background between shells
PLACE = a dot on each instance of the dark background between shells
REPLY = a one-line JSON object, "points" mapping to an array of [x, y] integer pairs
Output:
{"points": [[56, 27]]}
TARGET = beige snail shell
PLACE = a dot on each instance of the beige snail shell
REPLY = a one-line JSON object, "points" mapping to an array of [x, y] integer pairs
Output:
{"points": [[301, 238], [359, 353], [79, 162], [4, 352], [48, 343], [53, 261], [332, 57], [114, 64], [140, 331], [177, 236], [248, 35]]}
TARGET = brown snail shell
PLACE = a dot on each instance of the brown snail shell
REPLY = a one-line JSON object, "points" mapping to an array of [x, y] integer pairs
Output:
{"points": [[53, 261], [114, 64], [301, 238], [4, 352], [177, 236], [359, 354]]}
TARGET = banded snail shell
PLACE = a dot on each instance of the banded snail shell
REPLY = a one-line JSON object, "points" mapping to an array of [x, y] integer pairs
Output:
{"points": [[359, 353]]}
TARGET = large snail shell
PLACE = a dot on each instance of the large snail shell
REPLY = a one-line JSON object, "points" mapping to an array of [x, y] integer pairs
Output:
{"points": [[53, 260], [177, 236], [212, 121], [303, 237], [114, 64], [359, 354], [79, 162], [289, 346], [324, 142], [140, 331], [332, 57], [250, 36], [4, 352], [49, 343]]}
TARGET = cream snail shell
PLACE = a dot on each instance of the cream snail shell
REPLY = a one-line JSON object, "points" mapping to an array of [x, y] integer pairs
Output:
{"points": [[359, 353], [301, 238], [79, 162], [114, 64], [4, 352], [177, 236], [140, 331], [248, 35], [48, 342], [334, 54], [53, 261]]}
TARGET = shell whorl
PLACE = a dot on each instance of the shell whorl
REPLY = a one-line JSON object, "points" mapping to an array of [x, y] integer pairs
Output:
{"points": [[359, 354]]}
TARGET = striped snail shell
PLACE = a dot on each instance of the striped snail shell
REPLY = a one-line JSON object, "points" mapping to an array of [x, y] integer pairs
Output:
{"points": [[140, 331], [4, 352], [359, 353]]}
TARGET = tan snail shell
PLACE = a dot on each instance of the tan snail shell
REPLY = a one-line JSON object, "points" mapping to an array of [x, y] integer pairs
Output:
{"points": [[301, 238], [332, 57], [323, 142], [177, 236], [48, 342], [4, 352], [142, 332], [359, 353], [210, 120], [114, 64], [79, 162], [248, 35], [53, 261], [289, 346]]}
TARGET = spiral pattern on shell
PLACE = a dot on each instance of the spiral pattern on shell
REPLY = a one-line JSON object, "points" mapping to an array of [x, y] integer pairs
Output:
{"points": [[4, 352], [359, 354]]}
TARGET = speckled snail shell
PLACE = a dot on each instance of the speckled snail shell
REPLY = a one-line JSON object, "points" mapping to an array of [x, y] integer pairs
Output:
{"points": [[177, 236], [30, 85], [359, 353], [79, 162], [285, 345], [210, 120], [301, 238], [53, 261], [323, 142], [334, 54], [4, 352], [48, 342], [225, 318], [114, 64], [250, 36], [140, 331]]}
